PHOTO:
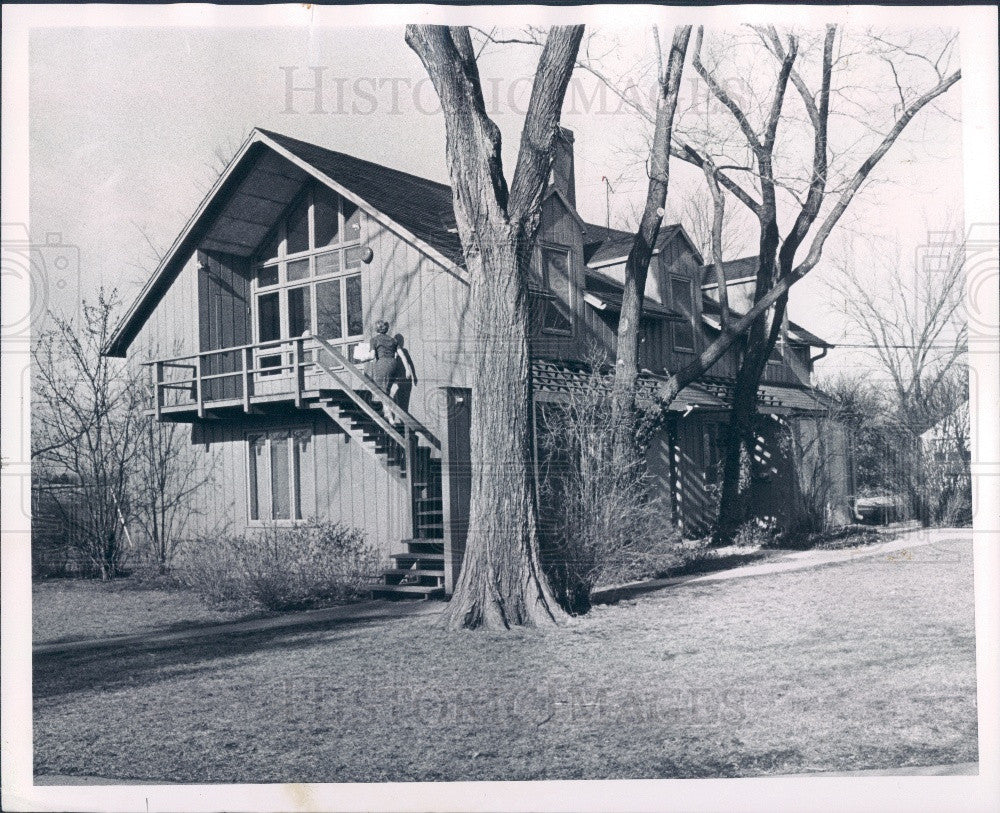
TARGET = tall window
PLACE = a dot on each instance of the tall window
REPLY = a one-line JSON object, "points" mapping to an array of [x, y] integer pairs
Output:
{"points": [[553, 305], [682, 301], [307, 277], [282, 475]]}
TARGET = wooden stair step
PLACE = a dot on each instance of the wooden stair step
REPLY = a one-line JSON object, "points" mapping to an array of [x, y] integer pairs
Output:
{"points": [[418, 557], [425, 545], [414, 571]]}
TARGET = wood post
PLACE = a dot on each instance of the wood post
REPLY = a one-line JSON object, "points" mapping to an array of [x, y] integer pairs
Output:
{"points": [[410, 452], [297, 371], [198, 387], [247, 365], [158, 388]]}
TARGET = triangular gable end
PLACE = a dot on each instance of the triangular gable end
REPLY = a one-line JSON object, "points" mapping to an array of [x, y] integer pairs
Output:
{"points": [[569, 207], [208, 224]]}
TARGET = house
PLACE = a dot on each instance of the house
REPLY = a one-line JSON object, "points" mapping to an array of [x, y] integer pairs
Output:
{"points": [[249, 323]]}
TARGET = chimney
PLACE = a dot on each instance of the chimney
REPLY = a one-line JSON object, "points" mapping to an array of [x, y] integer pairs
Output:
{"points": [[563, 175]]}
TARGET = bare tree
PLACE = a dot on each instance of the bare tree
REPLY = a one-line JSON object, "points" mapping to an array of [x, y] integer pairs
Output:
{"points": [[916, 335], [166, 475], [87, 426], [637, 263], [734, 139], [501, 583]]}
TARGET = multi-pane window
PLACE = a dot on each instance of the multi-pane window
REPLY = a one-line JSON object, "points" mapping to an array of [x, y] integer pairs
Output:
{"points": [[282, 475], [682, 301], [553, 308], [307, 278]]}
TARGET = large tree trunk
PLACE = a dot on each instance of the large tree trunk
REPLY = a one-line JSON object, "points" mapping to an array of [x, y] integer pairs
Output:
{"points": [[501, 583]]}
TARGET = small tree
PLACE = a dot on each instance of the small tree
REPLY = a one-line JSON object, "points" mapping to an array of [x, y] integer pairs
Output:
{"points": [[166, 476], [87, 426], [603, 523]]}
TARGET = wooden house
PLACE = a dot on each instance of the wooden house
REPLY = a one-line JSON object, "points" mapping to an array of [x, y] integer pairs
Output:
{"points": [[249, 323]]}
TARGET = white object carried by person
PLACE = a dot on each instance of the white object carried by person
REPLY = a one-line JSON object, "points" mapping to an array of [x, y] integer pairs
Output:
{"points": [[363, 352]]}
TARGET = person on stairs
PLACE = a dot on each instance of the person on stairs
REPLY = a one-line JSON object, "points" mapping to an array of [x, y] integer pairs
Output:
{"points": [[392, 364]]}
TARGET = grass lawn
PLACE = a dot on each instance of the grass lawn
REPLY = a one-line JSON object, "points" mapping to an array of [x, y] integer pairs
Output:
{"points": [[71, 609], [867, 664]]}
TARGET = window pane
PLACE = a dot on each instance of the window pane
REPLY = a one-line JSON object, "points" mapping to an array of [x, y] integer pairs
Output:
{"points": [[299, 311], [557, 273], [328, 263], [328, 309], [683, 336], [325, 215], [256, 448], [298, 228], [355, 317], [556, 318], [536, 314], [352, 257], [305, 473], [280, 484], [270, 249], [680, 291], [352, 222], [268, 318], [267, 276], [298, 269]]}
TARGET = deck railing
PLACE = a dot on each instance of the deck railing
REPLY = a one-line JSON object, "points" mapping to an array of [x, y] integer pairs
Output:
{"points": [[234, 376]]}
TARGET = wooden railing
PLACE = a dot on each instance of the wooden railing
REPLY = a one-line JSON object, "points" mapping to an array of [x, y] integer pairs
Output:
{"points": [[272, 369], [353, 378], [235, 375]]}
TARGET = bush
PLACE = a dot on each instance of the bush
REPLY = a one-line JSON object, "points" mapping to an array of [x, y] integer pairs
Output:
{"points": [[283, 568], [600, 524]]}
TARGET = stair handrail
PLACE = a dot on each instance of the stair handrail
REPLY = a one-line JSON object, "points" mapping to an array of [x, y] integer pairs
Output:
{"points": [[367, 383], [362, 404]]}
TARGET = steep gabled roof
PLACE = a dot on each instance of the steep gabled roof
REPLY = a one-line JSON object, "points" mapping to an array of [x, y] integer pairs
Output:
{"points": [[265, 175], [424, 208], [743, 268], [605, 246], [603, 292]]}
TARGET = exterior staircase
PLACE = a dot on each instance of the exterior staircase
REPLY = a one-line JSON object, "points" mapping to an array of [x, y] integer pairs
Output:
{"points": [[407, 450]]}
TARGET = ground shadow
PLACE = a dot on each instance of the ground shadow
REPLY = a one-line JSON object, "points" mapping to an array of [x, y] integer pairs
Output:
{"points": [[111, 664]]}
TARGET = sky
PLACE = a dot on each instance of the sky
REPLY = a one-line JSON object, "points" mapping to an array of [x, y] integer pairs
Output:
{"points": [[127, 127]]}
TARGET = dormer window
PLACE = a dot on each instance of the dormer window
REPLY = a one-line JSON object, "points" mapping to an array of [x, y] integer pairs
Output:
{"points": [[683, 302], [553, 298]]}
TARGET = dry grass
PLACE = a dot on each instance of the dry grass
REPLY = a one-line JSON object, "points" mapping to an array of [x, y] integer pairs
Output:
{"points": [[868, 664], [72, 609]]}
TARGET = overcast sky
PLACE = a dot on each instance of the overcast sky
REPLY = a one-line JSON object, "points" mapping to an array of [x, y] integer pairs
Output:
{"points": [[126, 124]]}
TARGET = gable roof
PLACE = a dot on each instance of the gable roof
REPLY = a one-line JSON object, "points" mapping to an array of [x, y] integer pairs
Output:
{"points": [[743, 268], [605, 246], [605, 293], [263, 178], [424, 208]]}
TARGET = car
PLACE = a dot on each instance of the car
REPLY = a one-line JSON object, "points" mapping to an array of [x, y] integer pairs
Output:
{"points": [[880, 509]]}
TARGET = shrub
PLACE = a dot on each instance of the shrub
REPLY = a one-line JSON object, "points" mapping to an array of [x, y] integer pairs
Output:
{"points": [[759, 532], [283, 568], [600, 523]]}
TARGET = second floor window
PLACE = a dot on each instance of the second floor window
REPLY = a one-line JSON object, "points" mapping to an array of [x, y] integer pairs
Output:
{"points": [[307, 277], [553, 306], [683, 302]]}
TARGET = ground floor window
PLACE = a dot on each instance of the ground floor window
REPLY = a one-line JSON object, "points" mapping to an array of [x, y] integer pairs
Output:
{"points": [[282, 479]]}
